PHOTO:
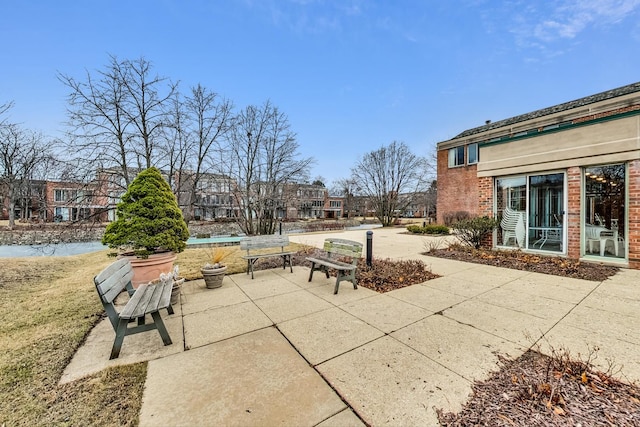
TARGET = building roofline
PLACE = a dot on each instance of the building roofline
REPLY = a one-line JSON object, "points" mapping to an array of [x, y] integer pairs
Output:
{"points": [[591, 99]]}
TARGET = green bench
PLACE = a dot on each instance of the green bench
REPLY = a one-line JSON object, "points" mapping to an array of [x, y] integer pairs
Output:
{"points": [[258, 243], [338, 248], [146, 299]]}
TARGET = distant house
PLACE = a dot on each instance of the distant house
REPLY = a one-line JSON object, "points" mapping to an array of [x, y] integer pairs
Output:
{"points": [[30, 201], [68, 201], [333, 206], [563, 179], [304, 201], [212, 198]]}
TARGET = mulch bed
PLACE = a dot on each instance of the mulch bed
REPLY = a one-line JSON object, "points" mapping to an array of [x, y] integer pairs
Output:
{"points": [[538, 390], [519, 260]]}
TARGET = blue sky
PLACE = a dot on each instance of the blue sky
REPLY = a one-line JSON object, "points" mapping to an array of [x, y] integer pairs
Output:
{"points": [[351, 75]]}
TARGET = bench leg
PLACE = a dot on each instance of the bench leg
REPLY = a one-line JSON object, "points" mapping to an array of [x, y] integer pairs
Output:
{"points": [[313, 267], [121, 331], [286, 259], [166, 339], [251, 262], [342, 275]]}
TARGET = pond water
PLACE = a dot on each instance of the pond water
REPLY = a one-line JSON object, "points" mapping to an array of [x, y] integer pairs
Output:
{"points": [[53, 249], [66, 249], [364, 227]]}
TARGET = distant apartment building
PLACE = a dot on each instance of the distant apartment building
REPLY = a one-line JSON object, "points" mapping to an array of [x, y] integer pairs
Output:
{"points": [[333, 207], [213, 197], [361, 206], [69, 201], [56, 201], [305, 201], [30, 203]]}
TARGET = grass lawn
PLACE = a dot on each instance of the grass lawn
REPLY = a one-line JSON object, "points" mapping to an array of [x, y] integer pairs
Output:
{"points": [[47, 307]]}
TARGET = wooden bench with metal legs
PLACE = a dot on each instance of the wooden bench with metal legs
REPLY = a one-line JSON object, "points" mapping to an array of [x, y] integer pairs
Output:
{"points": [[253, 243], [336, 248], [146, 299]]}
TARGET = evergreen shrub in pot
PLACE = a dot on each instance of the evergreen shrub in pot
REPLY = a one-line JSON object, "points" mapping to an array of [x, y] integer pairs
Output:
{"points": [[149, 225]]}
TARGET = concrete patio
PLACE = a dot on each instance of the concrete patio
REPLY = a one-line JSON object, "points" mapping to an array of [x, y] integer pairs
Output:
{"points": [[279, 350]]}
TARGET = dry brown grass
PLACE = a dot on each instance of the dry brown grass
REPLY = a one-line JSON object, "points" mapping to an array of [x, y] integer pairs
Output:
{"points": [[47, 307]]}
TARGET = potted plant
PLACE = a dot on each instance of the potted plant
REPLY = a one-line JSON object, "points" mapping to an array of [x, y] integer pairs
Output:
{"points": [[177, 280], [149, 227], [213, 271]]}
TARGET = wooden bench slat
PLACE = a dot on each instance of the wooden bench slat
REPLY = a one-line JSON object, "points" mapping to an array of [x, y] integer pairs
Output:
{"points": [[332, 263], [147, 299], [113, 280], [112, 269], [263, 242], [114, 285], [267, 255], [138, 300], [343, 247], [266, 242]]}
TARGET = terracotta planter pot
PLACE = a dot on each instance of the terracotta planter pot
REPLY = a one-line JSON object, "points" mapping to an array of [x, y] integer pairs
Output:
{"points": [[147, 270], [213, 276]]}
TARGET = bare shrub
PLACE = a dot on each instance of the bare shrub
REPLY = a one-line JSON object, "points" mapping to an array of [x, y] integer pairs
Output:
{"points": [[432, 245], [474, 231]]}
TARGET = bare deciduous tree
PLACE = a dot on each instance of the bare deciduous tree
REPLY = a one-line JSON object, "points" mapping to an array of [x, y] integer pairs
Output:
{"points": [[177, 145], [21, 153], [211, 121], [383, 175], [115, 116], [99, 125], [348, 189], [144, 107], [262, 158]]}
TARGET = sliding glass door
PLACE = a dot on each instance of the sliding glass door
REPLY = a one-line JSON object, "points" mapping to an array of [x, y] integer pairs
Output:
{"points": [[531, 209], [604, 211], [546, 212], [511, 205]]}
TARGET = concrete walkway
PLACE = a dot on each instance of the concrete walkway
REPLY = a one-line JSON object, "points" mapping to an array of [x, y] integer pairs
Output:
{"points": [[278, 350]]}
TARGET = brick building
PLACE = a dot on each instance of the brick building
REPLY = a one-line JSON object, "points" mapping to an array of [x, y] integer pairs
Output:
{"points": [[564, 180], [214, 198], [70, 201], [304, 201]]}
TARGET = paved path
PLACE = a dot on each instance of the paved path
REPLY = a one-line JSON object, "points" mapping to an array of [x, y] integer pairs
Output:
{"points": [[279, 350]]}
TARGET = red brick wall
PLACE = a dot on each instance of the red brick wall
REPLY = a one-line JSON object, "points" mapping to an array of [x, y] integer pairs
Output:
{"points": [[573, 212], [633, 226], [485, 196], [457, 188]]}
